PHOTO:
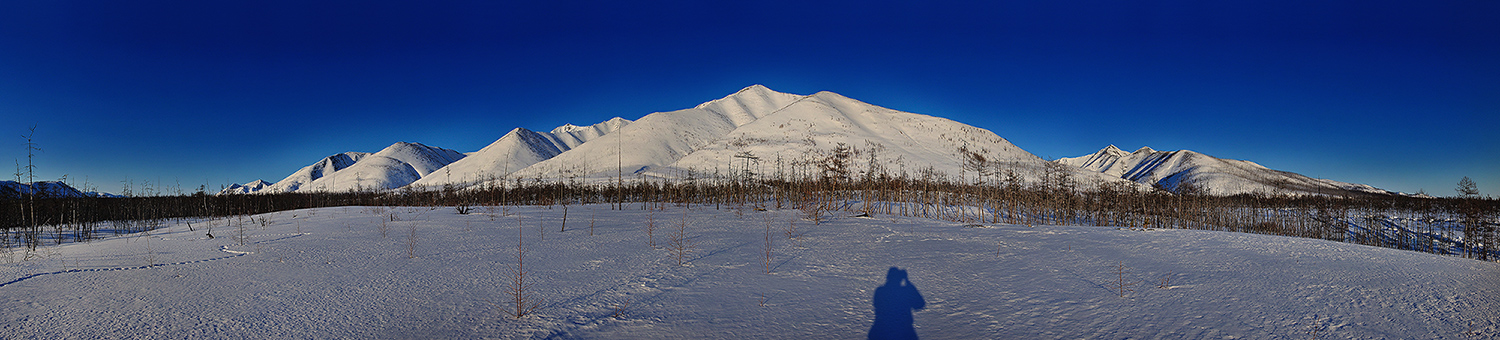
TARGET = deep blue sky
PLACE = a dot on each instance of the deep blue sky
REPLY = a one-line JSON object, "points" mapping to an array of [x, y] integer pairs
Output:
{"points": [[1403, 95]]}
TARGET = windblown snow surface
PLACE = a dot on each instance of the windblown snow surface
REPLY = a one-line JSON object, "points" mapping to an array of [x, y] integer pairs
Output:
{"points": [[332, 273]]}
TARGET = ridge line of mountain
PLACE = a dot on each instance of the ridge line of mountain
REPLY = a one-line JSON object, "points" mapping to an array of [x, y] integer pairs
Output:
{"points": [[794, 129]]}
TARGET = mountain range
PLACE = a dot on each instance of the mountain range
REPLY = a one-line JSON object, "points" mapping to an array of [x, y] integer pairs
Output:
{"points": [[1188, 171], [769, 132], [43, 189]]}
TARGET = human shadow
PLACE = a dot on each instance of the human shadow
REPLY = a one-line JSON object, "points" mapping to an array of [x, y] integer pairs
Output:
{"points": [[894, 303]]}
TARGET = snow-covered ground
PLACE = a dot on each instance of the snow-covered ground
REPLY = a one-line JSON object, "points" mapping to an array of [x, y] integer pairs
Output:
{"points": [[330, 273]]}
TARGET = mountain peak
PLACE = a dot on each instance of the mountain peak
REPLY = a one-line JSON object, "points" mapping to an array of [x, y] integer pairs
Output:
{"points": [[756, 87], [752, 93], [1113, 150], [1145, 149], [602, 128]]}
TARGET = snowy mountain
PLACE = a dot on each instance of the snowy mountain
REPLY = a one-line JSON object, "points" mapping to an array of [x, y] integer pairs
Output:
{"points": [[328, 165], [570, 136], [809, 129], [1182, 170], [15, 190], [661, 138], [771, 132], [795, 131], [517, 150], [246, 188], [393, 167]]}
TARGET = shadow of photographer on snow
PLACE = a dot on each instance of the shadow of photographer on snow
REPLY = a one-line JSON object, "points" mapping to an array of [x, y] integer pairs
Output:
{"points": [[894, 303]]}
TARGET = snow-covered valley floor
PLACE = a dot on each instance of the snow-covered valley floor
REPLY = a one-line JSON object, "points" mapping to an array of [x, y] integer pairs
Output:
{"points": [[330, 273]]}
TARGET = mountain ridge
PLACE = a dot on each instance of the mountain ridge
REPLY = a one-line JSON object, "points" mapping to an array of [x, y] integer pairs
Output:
{"points": [[1187, 171], [760, 126]]}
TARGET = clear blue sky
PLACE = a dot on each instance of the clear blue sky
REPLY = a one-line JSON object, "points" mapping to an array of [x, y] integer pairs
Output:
{"points": [[1403, 95]]}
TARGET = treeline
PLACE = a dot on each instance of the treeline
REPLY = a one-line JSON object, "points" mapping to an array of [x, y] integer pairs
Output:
{"points": [[34, 221], [1452, 226]]}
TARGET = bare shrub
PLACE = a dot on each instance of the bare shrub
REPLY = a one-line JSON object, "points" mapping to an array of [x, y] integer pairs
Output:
{"points": [[492, 211], [239, 231], [1120, 284], [792, 233], [768, 245], [150, 253], [619, 310], [518, 287], [678, 242], [651, 229], [411, 241], [541, 230], [1316, 328]]}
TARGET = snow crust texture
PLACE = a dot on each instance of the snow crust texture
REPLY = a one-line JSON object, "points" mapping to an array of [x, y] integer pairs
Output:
{"points": [[332, 273]]}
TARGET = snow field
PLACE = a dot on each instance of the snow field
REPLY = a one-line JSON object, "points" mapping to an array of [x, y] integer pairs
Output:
{"points": [[339, 278]]}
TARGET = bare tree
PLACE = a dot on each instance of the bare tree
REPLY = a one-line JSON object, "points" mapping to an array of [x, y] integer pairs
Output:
{"points": [[1466, 188], [679, 243], [31, 150]]}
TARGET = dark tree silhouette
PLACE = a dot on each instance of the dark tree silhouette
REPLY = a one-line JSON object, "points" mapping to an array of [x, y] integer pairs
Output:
{"points": [[1466, 188]]}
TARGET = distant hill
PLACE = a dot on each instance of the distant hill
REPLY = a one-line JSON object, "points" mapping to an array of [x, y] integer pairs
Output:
{"points": [[14, 190], [1186, 170]]}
